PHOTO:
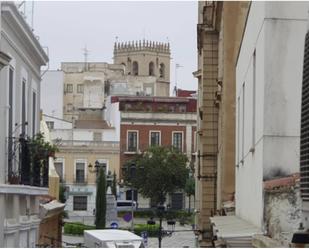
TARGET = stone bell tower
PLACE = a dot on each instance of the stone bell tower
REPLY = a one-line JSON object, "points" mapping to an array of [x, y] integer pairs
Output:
{"points": [[144, 59]]}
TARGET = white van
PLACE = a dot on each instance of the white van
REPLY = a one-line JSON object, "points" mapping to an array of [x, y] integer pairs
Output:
{"points": [[125, 205], [112, 238]]}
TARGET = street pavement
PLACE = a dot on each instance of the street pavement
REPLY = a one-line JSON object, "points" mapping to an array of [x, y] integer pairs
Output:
{"points": [[183, 238]]}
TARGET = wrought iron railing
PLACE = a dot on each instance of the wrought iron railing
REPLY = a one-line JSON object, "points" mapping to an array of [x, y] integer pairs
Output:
{"points": [[27, 169]]}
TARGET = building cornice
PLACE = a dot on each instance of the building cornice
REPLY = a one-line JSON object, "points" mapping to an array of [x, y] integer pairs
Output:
{"points": [[11, 14], [4, 59], [22, 189]]}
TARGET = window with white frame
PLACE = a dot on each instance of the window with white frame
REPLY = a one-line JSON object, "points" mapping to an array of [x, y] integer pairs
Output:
{"points": [[132, 141], [33, 113], [177, 140], [80, 172], [80, 203], [243, 123], [253, 101], [80, 88], [69, 88], [23, 106], [155, 138]]}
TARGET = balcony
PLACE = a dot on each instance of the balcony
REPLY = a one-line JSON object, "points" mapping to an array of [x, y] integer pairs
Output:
{"points": [[25, 168]]}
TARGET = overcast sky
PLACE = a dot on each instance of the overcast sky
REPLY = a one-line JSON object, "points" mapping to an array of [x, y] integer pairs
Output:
{"points": [[66, 27]]}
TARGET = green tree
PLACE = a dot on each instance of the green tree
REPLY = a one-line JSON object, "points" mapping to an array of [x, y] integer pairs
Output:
{"points": [[100, 202], [190, 189], [157, 172], [62, 190], [114, 185]]}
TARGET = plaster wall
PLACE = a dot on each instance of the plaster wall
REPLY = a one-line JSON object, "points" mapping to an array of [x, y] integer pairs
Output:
{"points": [[52, 93], [268, 146], [112, 117], [282, 212]]}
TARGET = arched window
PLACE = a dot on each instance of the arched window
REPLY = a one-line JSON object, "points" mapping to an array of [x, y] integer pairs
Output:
{"points": [[135, 68], [151, 69], [162, 70]]}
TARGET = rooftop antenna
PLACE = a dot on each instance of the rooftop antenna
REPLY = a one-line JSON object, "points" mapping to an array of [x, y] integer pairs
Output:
{"points": [[86, 52], [176, 67]]}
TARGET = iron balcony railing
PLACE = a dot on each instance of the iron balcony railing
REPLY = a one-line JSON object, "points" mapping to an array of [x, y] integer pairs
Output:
{"points": [[24, 169]]}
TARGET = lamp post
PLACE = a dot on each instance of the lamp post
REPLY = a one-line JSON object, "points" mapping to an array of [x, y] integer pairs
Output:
{"points": [[160, 212], [96, 168]]}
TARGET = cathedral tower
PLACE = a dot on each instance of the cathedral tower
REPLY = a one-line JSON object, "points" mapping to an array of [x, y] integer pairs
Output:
{"points": [[146, 58]]}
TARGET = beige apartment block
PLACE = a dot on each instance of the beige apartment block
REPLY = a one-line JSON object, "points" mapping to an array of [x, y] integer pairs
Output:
{"points": [[85, 85], [146, 58], [219, 32], [72, 164]]}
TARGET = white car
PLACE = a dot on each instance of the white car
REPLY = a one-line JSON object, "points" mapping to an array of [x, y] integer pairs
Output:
{"points": [[112, 238], [125, 205]]}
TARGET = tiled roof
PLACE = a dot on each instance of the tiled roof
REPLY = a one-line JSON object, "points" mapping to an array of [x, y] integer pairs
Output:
{"points": [[91, 124]]}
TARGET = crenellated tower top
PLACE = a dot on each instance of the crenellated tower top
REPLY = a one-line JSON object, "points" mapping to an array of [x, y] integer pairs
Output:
{"points": [[140, 46]]}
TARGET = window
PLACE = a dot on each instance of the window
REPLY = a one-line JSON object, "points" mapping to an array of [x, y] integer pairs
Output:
{"points": [[155, 138], [80, 203], [135, 68], [33, 112], [253, 100], [69, 88], [23, 107], [80, 172], [50, 124], [97, 136], [80, 88], [177, 140], [243, 124], [162, 70], [10, 124], [151, 69], [59, 170], [69, 107], [148, 91], [132, 140], [238, 130]]}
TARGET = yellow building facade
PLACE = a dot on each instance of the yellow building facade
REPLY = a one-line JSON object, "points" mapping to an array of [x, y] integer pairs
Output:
{"points": [[219, 34]]}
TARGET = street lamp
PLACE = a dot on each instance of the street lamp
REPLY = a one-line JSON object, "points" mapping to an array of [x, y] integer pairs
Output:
{"points": [[96, 167], [160, 213]]}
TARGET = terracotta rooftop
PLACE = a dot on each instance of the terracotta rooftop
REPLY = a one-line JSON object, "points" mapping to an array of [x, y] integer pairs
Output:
{"points": [[185, 93], [282, 182], [91, 124]]}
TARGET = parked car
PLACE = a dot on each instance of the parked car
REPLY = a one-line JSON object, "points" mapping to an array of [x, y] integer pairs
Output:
{"points": [[112, 238], [126, 205]]}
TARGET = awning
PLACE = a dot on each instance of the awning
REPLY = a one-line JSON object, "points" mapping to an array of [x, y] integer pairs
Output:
{"points": [[233, 231]]}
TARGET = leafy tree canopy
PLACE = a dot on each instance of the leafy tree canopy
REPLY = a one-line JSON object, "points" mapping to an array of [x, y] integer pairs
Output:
{"points": [[157, 172]]}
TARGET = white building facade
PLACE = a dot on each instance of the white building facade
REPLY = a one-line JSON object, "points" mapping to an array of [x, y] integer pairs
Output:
{"points": [[19, 115], [268, 101]]}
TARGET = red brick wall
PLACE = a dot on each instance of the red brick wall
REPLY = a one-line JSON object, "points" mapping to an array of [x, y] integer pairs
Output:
{"points": [[143, 137]]}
